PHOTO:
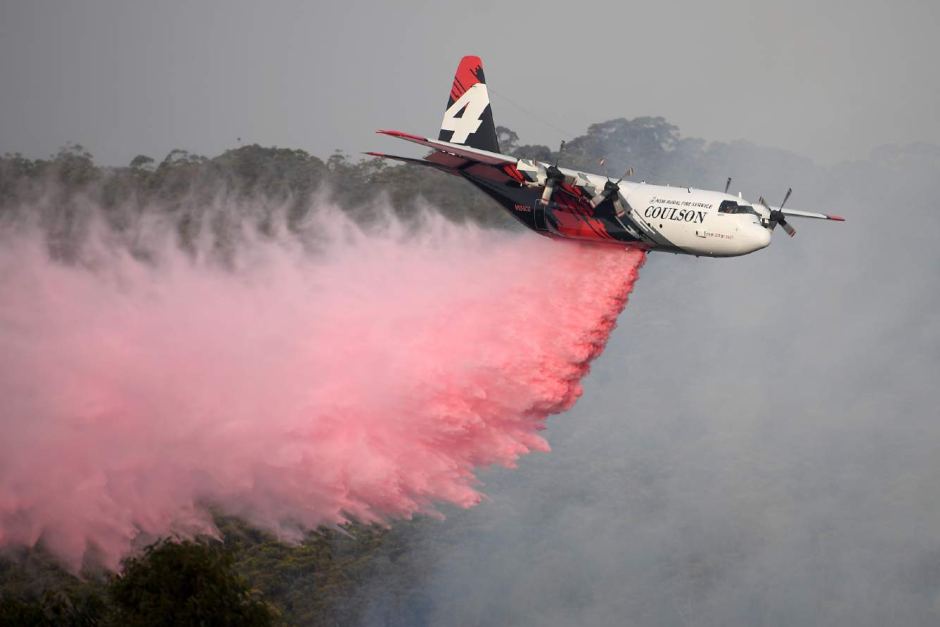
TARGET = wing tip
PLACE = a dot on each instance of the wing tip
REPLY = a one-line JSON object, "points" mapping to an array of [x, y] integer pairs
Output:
{"points": [[400, 134], [836, 218]]}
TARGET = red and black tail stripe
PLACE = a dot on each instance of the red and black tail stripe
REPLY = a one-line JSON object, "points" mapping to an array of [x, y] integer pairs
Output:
{"points": [[470, 73]]}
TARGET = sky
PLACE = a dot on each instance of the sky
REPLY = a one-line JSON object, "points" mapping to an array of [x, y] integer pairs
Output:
{"points": [[828, 80]]}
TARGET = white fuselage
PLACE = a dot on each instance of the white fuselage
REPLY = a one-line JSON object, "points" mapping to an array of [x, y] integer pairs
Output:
{"points": [[687, 220]]}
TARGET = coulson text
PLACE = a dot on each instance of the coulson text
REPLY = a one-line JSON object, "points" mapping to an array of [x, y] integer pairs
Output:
{"points": [[675, 213]]}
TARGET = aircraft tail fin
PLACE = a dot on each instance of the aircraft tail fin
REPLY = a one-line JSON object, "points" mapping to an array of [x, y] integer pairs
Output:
{"points": [[468, 119]]}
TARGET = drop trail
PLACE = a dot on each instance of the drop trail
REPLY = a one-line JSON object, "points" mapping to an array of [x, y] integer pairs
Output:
{"points": [[365, 377]]}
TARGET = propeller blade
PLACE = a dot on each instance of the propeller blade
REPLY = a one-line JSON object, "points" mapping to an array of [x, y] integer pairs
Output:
{"points": [[774, 218], [787, 197], [727, 184], [786, 227], [610, 188]]}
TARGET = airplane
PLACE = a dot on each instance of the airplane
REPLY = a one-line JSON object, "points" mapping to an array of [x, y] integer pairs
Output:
{"points": [[563, 203]]}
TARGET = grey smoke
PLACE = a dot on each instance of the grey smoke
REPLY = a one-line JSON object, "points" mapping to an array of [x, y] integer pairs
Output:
{"points": [[758, 445]]}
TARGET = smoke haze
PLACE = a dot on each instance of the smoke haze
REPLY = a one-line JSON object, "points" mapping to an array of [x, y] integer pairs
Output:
{"points": [[758, 444]]}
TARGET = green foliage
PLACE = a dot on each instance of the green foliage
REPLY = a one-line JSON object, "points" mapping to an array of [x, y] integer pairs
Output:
{"points": [[272, 179], [310, 581], [59, 607], [36, 590], [74, 167], [268, 181], [185, 583], [249, 577], [142, 162]]}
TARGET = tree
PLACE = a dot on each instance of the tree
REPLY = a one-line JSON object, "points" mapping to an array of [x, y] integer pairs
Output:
{"points": [[508, 140], [185, 583], [143, 162], [75, 167], [645, 143]]}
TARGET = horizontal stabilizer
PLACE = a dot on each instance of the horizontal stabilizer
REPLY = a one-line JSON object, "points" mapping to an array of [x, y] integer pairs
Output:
{"points": [[411, 160], [472, 154]]}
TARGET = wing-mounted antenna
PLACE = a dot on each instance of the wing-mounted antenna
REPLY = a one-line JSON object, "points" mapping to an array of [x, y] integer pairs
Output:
{"points": [[553, 176]]}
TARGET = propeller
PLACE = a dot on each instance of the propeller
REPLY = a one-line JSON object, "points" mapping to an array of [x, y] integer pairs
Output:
{"points": [[777, 216], [612, 189], [553, 176]]}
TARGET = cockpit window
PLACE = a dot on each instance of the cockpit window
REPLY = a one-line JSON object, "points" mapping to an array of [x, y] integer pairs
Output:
{"points": [[729, 206]]}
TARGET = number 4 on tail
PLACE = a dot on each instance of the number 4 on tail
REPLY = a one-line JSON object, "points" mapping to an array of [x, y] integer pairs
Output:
{"points": [[470, 107]]}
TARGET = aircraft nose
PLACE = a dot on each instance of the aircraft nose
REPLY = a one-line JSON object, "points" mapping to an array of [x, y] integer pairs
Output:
{"points": [[760, 237]]}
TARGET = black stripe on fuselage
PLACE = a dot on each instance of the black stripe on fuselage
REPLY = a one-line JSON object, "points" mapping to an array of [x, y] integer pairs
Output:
{"points": [[512, 196], [509, 197]]}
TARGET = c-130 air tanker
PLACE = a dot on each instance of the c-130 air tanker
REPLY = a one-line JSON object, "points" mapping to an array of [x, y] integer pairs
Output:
{"points": [[563, 203]]}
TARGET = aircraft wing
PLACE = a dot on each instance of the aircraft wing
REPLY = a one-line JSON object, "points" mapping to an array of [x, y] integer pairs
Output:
{"points": [[809, 214], [437, 166], [456, 159], [475, 155]]}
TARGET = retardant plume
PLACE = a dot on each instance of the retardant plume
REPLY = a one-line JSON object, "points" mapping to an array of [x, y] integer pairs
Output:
{"points": [[305, 381]]}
